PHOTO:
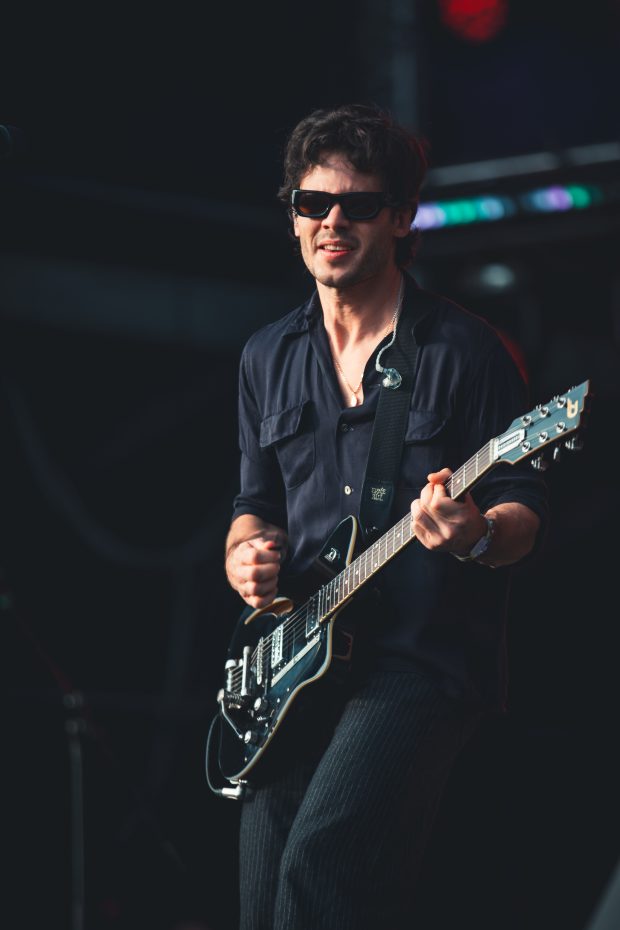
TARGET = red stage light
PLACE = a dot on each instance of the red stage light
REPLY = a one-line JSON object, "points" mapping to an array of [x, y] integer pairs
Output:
{"points": [[474, 20]]}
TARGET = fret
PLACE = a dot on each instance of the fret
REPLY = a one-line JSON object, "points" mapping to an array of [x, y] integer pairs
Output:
{"points": [[353, 576], [339, 589], [345, 582]]}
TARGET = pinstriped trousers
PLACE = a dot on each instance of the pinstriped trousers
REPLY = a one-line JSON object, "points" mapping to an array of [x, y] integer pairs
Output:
{"points": [[335, 841]]}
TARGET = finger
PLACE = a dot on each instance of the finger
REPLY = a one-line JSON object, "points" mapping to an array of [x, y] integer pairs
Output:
{"points": [[452, 510], [247, 554], [439, 477], [431, 495], [422, 520], [261, 574], [259, 589], [267, 556], [268, 542], [439, 494], [258, 595], [426, 494], [241, 573]]}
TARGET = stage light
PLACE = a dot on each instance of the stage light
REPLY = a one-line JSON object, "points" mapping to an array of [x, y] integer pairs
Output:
{"points": [[558, 197], [481, 209], [474, 20]]}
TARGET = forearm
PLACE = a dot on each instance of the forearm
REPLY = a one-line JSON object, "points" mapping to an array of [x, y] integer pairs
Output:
{"points": [[514, 534], [248, 526], [457, 526]]}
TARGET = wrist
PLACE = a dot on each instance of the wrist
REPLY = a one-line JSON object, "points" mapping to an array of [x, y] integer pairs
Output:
{"points": [[479, 549]]}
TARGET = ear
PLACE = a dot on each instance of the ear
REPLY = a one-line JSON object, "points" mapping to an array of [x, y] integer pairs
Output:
{"points": [[403, 218], [295, 223]]}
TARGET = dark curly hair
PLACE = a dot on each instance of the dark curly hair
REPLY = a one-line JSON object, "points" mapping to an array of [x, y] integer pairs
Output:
{"points": [[374, 143]]}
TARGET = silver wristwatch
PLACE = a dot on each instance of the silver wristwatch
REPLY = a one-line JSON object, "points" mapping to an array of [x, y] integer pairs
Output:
{"points": [[479, 548]]}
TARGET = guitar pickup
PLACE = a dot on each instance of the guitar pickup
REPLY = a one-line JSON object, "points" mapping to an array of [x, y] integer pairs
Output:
{"points": [[277, 646], [312, 616], [260, 652]]}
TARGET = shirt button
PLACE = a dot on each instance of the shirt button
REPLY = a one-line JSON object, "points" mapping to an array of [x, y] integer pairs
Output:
{"points": [[348, 489]]}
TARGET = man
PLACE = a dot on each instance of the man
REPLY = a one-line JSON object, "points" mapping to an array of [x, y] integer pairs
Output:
{"points": [[334, 839]]}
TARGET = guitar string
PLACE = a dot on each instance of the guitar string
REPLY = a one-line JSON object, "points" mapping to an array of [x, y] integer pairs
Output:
{"points": [[292, 625], [296, 621]]}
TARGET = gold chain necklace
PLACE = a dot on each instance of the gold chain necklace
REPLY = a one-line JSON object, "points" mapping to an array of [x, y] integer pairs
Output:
{"points": [[354, 391], [354, 397]]}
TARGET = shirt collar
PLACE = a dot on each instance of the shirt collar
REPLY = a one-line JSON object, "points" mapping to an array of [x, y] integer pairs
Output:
{"points": [[304, 315], [414, 303]]}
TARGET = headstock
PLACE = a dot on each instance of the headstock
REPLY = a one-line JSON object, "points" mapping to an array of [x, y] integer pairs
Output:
{"points": [[546, 430]]}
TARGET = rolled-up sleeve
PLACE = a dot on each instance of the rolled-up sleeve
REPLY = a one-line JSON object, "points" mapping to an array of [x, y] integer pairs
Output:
{"points": [[261, 489], [498, 395]]}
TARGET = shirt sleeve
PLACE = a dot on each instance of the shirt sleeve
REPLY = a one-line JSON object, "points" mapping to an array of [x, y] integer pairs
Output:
{"points": [[261, 490]]}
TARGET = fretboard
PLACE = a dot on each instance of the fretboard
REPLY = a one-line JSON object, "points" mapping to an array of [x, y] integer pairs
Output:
{"points": [[333, 594]]}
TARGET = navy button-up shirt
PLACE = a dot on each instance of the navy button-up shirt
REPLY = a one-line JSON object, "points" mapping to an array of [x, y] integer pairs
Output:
{"points": [[303, 460]]}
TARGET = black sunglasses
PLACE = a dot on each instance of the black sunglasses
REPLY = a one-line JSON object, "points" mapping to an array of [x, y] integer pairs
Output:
{"points": [[357, 205]]}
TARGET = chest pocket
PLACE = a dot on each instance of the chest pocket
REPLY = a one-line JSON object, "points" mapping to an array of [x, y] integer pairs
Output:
{"points": [[425, 447], [291, 434]]}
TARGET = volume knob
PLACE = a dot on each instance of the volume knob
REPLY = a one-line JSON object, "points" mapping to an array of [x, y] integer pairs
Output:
{"points": [[260, 705]]}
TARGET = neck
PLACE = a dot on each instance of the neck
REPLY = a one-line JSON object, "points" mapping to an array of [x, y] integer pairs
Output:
{"points": [[351, 343], [353, 315]]}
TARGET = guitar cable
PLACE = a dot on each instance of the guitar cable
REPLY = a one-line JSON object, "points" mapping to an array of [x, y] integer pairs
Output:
{"points": [[234, 794]]}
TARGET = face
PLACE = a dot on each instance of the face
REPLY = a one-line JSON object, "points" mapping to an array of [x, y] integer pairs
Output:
{"points": [[340, 252]]}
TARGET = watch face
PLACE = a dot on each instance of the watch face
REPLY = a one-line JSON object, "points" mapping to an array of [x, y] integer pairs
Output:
{"points": [[480, 548], [483, 544]]}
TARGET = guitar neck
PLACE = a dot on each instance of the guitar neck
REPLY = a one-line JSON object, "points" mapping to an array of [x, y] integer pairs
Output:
{"points": [[333, 594]]}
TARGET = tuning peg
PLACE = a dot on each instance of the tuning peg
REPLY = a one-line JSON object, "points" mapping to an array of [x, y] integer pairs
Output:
{"points": [[540, 463], [574, 444]]}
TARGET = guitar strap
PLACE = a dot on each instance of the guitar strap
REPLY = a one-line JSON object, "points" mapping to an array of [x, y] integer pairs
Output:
{"points": [[386, 444]]}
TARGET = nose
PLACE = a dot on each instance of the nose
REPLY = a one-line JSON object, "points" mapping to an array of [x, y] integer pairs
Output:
{"points": [[337, 218]]}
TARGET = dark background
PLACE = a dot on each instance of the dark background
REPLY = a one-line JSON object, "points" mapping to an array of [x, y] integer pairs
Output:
{"points": [[141, 242]]}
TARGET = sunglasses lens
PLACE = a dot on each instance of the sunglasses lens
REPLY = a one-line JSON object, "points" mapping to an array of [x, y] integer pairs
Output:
{"points": [[311, 203], [362, 206], [358, 205]]}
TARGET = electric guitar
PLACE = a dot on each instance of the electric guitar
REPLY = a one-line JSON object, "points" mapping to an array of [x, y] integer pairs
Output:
{"points": [[279, 650]]}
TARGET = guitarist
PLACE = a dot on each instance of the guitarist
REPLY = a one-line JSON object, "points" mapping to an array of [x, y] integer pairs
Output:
{"points": [[334, 840]]}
